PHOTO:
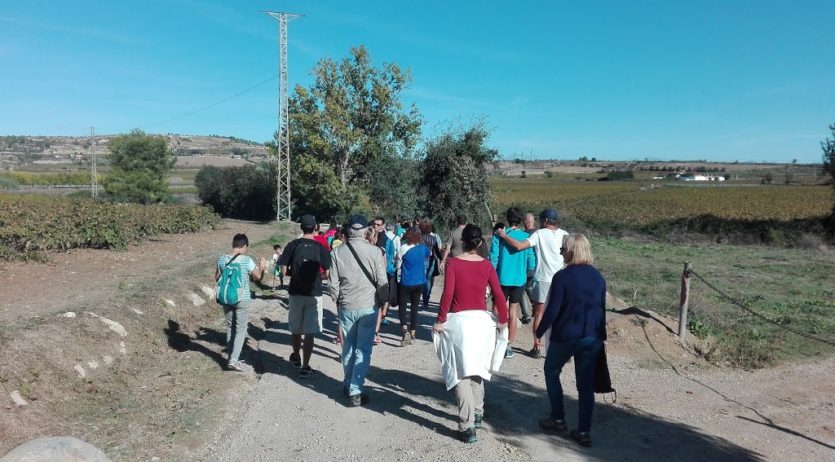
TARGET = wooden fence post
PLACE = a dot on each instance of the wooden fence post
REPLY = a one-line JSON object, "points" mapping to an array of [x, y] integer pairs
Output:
{"points": [[684, 302]]}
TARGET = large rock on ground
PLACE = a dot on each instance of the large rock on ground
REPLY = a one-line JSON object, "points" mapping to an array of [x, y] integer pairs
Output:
{"points": [[59, 448]]}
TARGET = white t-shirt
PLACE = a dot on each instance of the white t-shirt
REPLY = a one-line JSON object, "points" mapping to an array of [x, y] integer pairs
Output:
{"points": [[546, 245]]}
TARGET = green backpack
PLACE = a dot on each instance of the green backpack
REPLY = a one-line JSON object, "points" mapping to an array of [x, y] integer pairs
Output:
{"points": [[228, 288]]}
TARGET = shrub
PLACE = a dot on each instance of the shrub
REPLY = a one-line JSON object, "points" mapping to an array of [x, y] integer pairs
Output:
{"points": [[246, 192], [620, 175]]}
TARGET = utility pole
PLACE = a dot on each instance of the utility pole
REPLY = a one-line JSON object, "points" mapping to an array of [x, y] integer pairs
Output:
{"points": [[283, 202], [94, 180]]}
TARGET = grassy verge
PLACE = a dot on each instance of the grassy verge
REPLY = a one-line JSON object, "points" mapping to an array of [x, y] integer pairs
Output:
{"points": [[794, 286]]}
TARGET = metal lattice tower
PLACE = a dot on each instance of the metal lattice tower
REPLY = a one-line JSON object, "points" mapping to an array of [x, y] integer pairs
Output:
{"points": [[94, 180], [283, 136]]}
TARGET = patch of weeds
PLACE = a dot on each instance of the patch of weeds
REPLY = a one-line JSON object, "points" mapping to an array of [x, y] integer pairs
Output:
{"points": [[697, 327], [749, 348]]}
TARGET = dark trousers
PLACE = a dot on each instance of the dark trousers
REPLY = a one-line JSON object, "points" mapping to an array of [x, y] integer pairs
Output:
{"points": [[584, 351], [409, 295]]}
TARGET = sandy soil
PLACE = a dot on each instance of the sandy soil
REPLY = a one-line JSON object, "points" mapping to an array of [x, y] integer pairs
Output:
{"points": [[670, 405]]}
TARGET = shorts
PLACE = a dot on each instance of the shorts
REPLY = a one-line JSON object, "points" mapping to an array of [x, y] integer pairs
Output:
{"points": [[513, 294], [539, 291], [305, 315]]}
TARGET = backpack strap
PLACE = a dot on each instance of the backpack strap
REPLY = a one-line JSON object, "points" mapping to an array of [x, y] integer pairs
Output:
{"points": [[362, 267], [227, 264]]}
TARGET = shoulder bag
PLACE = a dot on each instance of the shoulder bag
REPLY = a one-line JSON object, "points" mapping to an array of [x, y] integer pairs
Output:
{"points": [[381, 291]]}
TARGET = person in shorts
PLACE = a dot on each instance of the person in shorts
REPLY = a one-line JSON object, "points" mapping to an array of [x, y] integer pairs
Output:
{"points": [[512, 266], [307, 262], [546, 243]]}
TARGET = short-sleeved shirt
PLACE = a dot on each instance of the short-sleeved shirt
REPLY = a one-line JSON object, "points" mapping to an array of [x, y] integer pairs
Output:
{"points": [[413, 268], [247, 265], [306, 279], [456, 247], [546, 245]]}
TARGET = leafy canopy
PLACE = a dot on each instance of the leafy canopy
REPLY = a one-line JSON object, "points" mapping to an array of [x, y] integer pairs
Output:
{"points": [[139, 164], [341, 127], [453, 179]]}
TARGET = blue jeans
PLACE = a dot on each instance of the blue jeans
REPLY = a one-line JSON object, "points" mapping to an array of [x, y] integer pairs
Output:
{"points": [[585, 351], [358, 329]]}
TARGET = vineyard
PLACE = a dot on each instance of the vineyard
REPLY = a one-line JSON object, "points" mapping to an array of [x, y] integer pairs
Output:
{"points": [[31, 225], [641, 206], [49, 179]]}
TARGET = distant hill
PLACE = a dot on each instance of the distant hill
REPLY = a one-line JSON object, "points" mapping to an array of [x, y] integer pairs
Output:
{"points": [[17, 151]]}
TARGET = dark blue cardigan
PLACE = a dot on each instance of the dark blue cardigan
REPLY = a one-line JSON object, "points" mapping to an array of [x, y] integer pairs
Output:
{"points": [[577, 305]]}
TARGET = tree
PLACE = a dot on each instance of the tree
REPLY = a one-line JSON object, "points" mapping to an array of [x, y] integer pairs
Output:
{"points": [[453, 179], [139, 163], [828, 148], [349, 118]]}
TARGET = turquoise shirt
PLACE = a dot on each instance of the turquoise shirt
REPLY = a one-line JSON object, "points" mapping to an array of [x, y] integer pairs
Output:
{"points": [[512, 265]]}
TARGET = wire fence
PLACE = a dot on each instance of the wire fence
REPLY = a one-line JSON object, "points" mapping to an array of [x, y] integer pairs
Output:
{"points": [[745, 306]]}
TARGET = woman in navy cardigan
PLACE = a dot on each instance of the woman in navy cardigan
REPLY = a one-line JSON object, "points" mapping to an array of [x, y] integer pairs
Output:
{"points": [[576, 315]]}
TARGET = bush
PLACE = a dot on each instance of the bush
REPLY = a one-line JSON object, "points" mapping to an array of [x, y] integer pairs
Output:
{"points": [[8, 183], [620, 175], [246, 192]]}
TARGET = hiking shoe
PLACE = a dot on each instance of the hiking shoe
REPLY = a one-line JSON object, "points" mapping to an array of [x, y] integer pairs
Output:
{"points": [[582, 438], [536, 353], [306, 372], [296, 360], [508, 353], [236, 366], [553, 425], [468, 435], [360, 399], [479, 418], [526, 320]]}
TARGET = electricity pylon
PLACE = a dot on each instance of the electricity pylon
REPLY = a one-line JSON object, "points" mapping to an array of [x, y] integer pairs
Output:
{"points": [[283, 139]]}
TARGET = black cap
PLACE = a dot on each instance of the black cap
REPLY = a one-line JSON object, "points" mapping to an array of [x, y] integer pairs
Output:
{"points": [[357, 222], [549, 214], [308, 221]]}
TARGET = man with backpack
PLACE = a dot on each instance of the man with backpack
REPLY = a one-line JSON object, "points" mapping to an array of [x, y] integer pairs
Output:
{"points": [[232, 277], [307, 262]]}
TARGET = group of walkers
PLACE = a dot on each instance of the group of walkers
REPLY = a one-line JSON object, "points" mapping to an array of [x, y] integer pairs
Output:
{"points": [[368, 268]]}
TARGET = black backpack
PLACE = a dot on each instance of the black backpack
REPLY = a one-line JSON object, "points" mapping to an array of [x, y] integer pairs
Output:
{"points": [[304, 266]]}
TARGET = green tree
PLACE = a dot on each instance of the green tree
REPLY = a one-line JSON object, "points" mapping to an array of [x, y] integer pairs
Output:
{"points": [[139, 163], [453, 179], [246, 192], [351, 117], [828, 148]]}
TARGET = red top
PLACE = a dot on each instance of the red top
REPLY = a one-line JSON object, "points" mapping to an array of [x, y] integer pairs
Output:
{"points": [[464, 288], [320, 238]]}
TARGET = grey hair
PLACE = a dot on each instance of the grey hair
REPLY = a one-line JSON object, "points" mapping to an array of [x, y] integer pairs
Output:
{"points": [[390, 227], [357, 233]]}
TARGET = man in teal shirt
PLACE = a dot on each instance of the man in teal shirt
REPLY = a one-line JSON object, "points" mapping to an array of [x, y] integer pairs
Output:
{"points": [[512, 266]]}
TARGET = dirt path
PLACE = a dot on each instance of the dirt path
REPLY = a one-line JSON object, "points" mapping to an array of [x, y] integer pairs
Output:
{"points": [[671, 406], [668, 408]]}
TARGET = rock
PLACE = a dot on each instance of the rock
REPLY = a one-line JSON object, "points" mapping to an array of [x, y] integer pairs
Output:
{"points": [[169, 302], [122, 348], [208, 291], [63, 448], [17, 399], [80, 370], [112, 325], [196, 300], [93, 364], [69, 314], [108, 360], [137, 311]]}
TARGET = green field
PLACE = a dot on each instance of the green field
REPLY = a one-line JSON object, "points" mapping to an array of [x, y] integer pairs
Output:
{"points": [[793, 284]]}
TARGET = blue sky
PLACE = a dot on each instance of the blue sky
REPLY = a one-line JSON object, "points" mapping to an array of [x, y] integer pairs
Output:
{"points": [[719, 80]]}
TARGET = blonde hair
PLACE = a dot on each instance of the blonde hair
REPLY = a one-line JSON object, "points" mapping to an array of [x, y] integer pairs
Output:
{"points": [[371, 235], [577, 250]]}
